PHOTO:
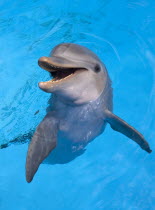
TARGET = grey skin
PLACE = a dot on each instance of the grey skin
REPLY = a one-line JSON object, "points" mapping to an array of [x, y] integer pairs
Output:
{"points": [[81, 104]]}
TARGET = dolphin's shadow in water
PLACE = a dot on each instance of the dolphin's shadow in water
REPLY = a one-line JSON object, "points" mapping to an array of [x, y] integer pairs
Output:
{"points": [[65, 152]]}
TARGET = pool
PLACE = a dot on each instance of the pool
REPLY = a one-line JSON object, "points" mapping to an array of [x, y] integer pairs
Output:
{"points": [[113, 172]]}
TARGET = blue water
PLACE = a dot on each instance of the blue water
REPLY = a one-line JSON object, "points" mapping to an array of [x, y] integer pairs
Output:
{"points": [[113, 173]]}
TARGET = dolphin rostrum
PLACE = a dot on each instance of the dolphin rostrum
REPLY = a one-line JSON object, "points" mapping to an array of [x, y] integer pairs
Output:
{"points": [[81, 104]]}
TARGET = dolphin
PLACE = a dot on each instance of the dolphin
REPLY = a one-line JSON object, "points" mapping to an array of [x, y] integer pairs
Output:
{"points": [[81, 104]]}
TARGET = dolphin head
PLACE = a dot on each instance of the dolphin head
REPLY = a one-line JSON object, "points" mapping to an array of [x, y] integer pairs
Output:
{"points": [[78, 74]]}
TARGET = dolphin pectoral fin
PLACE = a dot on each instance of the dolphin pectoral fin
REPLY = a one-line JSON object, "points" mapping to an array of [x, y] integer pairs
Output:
{"points": [[121, 126], [42, 143]]}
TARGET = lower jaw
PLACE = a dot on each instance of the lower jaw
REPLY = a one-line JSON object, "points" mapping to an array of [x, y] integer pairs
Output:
{"points": [[49, 85]]}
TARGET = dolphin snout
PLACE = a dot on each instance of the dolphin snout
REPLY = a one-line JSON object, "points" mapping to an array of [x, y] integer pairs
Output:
{"points": [[42, 60]]}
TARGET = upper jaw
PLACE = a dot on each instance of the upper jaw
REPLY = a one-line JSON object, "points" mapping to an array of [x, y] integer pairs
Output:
{"points": [[52, 64]]}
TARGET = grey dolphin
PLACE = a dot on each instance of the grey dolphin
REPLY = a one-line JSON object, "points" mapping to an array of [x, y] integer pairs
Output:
{"points": [[81, 103]]}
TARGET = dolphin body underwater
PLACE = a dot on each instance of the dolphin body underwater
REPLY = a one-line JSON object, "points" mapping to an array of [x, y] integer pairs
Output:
{"points": [[81, 104]]}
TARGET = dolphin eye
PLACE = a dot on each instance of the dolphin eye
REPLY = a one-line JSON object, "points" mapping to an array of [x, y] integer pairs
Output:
{"points": [[97, 68]]}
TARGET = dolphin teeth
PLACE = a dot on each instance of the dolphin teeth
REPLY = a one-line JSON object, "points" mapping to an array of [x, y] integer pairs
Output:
{"points": [[62, 74], [58, 67], [58, 80]]}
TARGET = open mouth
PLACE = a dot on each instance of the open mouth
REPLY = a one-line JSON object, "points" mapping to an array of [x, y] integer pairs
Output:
{"points": [[59, 73]]}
